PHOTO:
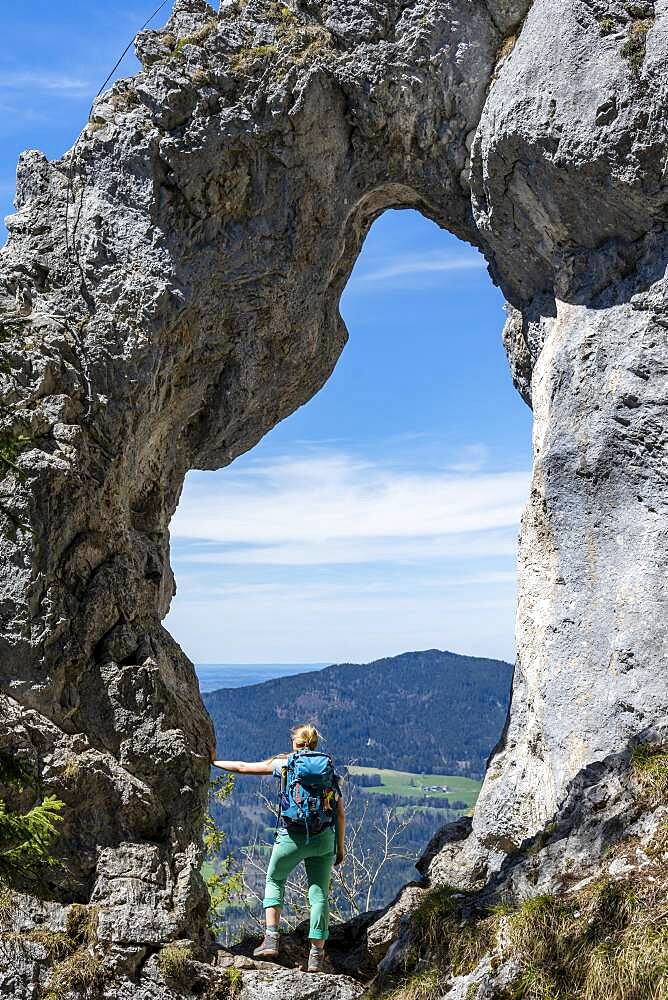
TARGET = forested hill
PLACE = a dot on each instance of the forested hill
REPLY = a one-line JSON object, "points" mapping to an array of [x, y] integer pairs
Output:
{"points": [[429, 712]]}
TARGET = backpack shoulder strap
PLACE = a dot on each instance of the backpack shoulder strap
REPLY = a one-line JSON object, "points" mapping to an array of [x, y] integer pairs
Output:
{"points": [[281, 789]]}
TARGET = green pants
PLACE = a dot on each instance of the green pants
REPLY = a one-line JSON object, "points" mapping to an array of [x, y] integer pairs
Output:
{"points": [[318, 857]]}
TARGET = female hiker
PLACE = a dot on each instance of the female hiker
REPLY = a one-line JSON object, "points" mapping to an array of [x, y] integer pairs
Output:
{"points": [[300, 773]]}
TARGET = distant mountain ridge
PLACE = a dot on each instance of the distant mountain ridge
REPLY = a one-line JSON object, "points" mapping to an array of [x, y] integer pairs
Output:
{"points": [[214, 676], [431, 712]]}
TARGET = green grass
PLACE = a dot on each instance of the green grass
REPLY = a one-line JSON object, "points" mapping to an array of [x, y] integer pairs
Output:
{"points": [[174, 963], [607, 942], [443, 943], [228, 987], [7, 904], [423, 986], [411, 785], [649, 767], [431, 810], [634, 48], [80, 973]]}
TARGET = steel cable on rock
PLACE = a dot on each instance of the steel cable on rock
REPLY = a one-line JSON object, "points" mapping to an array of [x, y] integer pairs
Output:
{"points": [[70, 185], [70, 246]]}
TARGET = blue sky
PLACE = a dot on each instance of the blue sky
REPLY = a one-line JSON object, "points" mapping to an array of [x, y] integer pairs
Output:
{"points": [[383, 515]]}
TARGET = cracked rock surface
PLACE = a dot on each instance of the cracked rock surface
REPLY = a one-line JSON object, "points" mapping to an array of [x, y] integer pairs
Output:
{"points": [[169, 292]]}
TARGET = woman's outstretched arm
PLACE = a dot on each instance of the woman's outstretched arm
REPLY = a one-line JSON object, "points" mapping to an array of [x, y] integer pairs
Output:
{"points": [[244, 767]]}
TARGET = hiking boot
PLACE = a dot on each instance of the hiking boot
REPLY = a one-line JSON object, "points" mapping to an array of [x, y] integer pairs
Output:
{"points": [[269, 947], [316, 959]]}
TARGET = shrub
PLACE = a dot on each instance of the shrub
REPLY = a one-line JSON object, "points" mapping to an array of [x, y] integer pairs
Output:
{"points": [[71, 770], [12, 442], [222, 882], [505, 48], [649, 766], [81, 923], [26, 838], [280, 12], [451, 939], [607, 942], [7, 904], [11, 446], [174, 962], [202, 77], [81, 971], [57, 944], [228, 987], [422, 986], [196, 38], [244, 58], [124, 99], [634, 48], [658, 845]]}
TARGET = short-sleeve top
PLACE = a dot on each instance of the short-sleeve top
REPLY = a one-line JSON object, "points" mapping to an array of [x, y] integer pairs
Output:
{"points": [[277, 770]]}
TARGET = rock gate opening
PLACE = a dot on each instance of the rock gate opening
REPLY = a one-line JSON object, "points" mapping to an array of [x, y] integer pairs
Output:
{"points": [[382, 516]]}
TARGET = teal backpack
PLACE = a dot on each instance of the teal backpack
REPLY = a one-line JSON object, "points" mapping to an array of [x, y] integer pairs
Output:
{"points": [[309, 792]]}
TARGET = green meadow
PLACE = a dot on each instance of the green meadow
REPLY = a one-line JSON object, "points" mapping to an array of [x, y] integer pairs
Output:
{"points": [[410, 785]]}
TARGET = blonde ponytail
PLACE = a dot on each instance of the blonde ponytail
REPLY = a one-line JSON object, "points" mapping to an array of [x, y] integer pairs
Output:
{"points": [[306, 737]]}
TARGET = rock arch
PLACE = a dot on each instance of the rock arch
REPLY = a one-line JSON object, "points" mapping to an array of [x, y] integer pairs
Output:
{"points": [[216, 203]]}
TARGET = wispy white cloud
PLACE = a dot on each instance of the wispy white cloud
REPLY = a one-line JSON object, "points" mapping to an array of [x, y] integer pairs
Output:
{"points": [[355, 551], [418, 265], [342, 621], [333, 508], [260, 553], [22, 111], [45, 81], [472, 458], [351, 589]]}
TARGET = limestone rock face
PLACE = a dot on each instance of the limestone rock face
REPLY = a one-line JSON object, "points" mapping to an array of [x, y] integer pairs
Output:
{"points": [[569, 155], [569, 194], [169, 292]]}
